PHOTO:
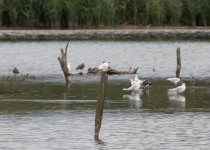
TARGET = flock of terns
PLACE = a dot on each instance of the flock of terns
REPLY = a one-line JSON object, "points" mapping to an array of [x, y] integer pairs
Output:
{"points": [[137, 87], [137, 84]]}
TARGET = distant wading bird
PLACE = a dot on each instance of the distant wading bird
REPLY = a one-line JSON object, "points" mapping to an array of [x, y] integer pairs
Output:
{"points": [[15, 71], [135, 86], [143, 83], [147, 83], [178, 89], [136, 79], [80, 67]]}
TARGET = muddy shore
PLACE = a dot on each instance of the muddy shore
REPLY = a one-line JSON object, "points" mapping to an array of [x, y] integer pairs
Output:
{"points": [[110, 34]]}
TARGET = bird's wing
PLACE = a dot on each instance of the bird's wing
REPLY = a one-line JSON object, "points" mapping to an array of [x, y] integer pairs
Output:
{"points": [[136, 77], [132, 81], [181, 89], [100, 67], [173, 80], [133, 87], [178, 89]]}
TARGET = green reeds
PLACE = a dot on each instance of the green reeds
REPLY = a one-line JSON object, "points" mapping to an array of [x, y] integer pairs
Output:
{"points": [[97, 13]]}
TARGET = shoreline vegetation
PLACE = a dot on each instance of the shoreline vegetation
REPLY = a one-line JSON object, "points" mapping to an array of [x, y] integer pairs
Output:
{"points": [[71, 14], [107, 34], [104, 19]]}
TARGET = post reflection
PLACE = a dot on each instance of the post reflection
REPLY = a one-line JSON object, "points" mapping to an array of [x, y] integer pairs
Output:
{"points": [[208, 93], [66, 91], [101, 145]]}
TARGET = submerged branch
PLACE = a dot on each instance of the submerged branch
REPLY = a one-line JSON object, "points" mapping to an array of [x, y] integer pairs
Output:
{"points": [[63, 63]]}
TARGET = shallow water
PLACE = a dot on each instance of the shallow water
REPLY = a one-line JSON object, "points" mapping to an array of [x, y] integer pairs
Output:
{"points": [[44, 114], [49, 116], [40, 58]]}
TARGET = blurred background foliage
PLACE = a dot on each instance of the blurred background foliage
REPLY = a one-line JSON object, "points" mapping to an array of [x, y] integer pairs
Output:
{"points": [[103, 13]]}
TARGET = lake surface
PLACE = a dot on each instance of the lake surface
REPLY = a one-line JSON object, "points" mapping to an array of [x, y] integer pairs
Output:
{"points": [[40, 58], [44, 114]]}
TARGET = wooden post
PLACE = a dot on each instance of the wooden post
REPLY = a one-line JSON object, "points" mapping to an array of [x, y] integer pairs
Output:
{"points": [[100, 104], [178, 67], [63, 63]]}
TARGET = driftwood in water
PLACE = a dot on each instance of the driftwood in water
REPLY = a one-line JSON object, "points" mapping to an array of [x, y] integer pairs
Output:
{"points": [[100, 104], [178, 67], [130, 71], [113, 71], [21, 77], [63, 63]]}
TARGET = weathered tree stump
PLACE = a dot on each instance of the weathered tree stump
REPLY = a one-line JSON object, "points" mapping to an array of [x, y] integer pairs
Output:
{"points": [[178, 67], [100, 104], [63, 63]]}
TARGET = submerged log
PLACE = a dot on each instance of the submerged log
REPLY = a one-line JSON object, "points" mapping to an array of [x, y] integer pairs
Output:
{"points": [[21, 77], [112, 71], [63, 63]]}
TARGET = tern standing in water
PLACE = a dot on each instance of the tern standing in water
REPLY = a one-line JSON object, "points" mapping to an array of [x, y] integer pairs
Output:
{"points": [[134, 87], [178, 90]]}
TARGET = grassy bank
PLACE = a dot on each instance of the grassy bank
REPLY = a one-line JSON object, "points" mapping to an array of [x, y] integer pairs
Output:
{"points": [[103, 13], [111, 34]]}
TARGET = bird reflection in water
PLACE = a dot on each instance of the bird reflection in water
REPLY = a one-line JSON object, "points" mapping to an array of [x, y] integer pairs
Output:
{"points": [[135, 98], [178, 101]]}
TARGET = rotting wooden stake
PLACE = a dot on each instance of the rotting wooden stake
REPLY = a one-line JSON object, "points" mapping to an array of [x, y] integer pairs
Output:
{"points": [[100, 104], [63, 62], [178, 67]]}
